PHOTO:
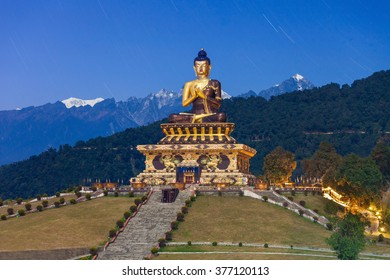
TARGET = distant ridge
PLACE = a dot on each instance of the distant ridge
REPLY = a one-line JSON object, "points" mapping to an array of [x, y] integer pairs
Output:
{"points": [[295, 83]]}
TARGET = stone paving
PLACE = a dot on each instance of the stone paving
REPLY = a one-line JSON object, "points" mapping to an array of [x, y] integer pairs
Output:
{"points": [[143, 231]]}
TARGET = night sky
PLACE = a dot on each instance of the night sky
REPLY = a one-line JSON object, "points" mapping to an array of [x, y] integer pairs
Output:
{"points": [[53, 50]]}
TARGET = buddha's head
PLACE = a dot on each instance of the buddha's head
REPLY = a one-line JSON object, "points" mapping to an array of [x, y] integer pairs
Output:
{"points": [[202, 65]]}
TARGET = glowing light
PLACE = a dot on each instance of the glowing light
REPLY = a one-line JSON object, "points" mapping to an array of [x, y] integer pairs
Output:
{"points": [[377, 213], [370, 208], [382, 229]]}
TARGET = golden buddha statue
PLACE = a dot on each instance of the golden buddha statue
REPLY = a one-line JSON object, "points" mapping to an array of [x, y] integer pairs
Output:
{"points": [[203, 93]]}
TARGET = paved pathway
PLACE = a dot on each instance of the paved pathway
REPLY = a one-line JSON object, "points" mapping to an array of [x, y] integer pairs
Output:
{"points": [[144, 230]]}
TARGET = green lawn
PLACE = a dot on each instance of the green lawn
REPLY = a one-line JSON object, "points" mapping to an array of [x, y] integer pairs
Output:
{"points": [[84, 224], [244, 219]]}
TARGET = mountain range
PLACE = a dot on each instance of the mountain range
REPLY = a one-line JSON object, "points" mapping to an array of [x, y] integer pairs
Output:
{"points": [[28, 131], [295, 83]]}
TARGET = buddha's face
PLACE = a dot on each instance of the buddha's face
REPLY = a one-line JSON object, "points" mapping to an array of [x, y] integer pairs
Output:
{"points": [[202, 69]]}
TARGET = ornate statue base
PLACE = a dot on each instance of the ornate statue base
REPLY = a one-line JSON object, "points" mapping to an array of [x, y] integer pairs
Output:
{"points": [[202, 153]]}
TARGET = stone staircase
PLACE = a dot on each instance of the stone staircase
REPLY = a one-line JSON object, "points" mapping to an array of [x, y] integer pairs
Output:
{"points": [[143, 231]]}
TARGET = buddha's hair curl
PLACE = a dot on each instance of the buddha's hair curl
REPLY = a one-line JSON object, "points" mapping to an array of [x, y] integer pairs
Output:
{"points": [[202, 56]]}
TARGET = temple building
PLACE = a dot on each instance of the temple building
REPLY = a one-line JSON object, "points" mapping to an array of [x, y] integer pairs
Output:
{"points": [[197, 147]]}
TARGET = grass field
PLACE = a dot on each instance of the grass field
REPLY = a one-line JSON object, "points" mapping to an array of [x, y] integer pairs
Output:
{"points": [[243, 219], [83, 224]]}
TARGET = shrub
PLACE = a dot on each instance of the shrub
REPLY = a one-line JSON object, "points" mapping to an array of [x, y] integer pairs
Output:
{"points": [[154, 251], [265, 245], [3, 217], [44, 195], [137, 201], [10, 211], [116, 194], [197, 192], [78, 194], [329, 226], [301, 212], [39, 208], [381, 238], [174, 225], [219, 193], [291, 247], [27, 206], [144, 198], [94, 189], [302, 203], [62, 200], [316, 211], [88, 196], [331, 208], [1, 202], [189, 243], [131, 194], [188, 203], [39, 197], [119, 223], [240, 244], [265, 198], [180, 217], [112, 233], [285, 204], [127, 215], [305, 192], [290, 198], [133, 208], [21, 212], [168, 236], [93, 251], [193, 198], [105, 192], [162, 242], [313, 192], [58, 194], [293, 192], [45, 203], [57, 204], [214, 243], [184, 209], [73, 201], [241, 193], [315, 219], [19, 200]]}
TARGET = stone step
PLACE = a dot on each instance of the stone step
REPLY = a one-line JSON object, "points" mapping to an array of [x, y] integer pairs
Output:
{"points": [[143, 231]]}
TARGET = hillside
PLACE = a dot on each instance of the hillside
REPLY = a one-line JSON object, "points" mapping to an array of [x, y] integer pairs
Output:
{"points": [[352, 118]]}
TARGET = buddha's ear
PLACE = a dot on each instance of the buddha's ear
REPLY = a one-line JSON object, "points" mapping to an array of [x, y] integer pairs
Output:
{"points": [[195, 70], [209, 66]]}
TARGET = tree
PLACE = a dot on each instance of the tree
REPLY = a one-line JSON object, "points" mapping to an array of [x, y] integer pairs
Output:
{"points": [[359, 179], [324, 158], [381, 155], [279, 165], [348, 239]]}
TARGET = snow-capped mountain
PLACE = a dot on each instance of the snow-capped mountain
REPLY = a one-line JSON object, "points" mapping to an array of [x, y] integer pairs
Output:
{"points": [[28, 131], [295, 83], [76, 102]]}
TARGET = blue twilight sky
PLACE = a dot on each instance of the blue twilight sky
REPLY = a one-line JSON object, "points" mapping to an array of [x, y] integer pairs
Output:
{"points": [[52, 50]]}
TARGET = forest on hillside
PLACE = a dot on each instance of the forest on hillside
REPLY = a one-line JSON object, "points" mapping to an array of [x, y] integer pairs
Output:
{"points": [[352, 118]]}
